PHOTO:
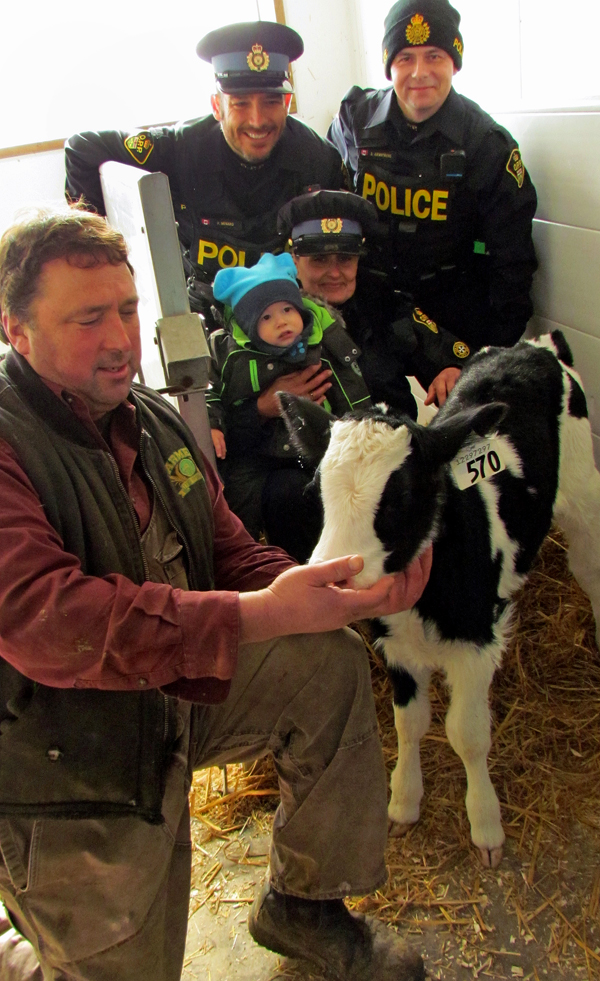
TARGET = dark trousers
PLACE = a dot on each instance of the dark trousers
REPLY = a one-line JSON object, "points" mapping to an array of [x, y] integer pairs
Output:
{"points": [[273, 497]]}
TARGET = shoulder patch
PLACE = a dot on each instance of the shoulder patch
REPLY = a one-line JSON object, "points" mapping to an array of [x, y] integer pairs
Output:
{"points": [[182, 470], [140, 146], [422, 318], [516, 167], [460, 349]]}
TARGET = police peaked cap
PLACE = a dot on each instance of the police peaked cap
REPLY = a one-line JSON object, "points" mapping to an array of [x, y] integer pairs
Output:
{"points": [[251, 57], [327, 221], [413, 23]]}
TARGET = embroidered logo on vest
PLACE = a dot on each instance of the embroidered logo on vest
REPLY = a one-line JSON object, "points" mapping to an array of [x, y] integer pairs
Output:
{"points": [[182, 470], [258, 60], [418, 30]]}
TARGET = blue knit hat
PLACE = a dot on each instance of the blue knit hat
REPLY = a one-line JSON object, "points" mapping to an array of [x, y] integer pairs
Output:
{"points": [[250, 291]]}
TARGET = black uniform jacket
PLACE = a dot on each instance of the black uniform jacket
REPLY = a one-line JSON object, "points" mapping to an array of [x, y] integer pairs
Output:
{"points": [[456, 207], [240, 373], [226, 209], [397, 339]]}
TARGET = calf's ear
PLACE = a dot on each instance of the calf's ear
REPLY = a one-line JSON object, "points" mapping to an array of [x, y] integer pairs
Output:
{"points": [[308, 424], [447, 433]]}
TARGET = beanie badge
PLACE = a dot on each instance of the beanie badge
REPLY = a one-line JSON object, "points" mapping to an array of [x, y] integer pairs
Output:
{"points": [[331, 225], [258, 59], [418, 30], [458, 45], [385, 56]]}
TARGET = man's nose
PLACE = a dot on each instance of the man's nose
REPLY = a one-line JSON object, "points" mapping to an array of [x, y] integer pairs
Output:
{"points": [[117, 334], [256, 115], [420, 67]]}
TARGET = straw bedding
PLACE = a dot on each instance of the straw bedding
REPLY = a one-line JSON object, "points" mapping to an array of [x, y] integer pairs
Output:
{"points": [[538, 915]]}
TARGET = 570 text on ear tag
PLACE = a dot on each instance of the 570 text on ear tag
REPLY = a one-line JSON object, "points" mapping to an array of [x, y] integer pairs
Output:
{"points": [[479, 459]]}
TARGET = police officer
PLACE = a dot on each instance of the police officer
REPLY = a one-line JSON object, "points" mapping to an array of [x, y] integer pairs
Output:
{"points": [[448, 182], [231, 171], [326, 232]]}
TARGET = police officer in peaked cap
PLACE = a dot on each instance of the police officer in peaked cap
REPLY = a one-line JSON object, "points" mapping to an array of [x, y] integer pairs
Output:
{"points": [[329, 233], [448, 182], [229, 172]]}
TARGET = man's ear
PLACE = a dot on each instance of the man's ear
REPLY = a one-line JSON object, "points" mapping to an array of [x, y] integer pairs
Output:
{"points": [[308, 424], [17, 334], [215, 101]]}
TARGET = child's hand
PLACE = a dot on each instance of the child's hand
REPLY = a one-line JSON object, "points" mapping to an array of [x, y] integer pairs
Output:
{"points": [[219, 443]]}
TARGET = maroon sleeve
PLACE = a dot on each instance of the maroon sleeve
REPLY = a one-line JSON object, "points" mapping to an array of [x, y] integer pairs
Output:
{"points": [[65, 629]]}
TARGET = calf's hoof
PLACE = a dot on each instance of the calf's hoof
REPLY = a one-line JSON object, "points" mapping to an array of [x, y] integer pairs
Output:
{"points": [[396, 829], [490, 857]]}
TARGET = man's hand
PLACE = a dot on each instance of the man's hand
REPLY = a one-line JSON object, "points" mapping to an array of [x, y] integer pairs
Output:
{"points": [[321, 597], [312, 383], [218, 441], [441, 386]]}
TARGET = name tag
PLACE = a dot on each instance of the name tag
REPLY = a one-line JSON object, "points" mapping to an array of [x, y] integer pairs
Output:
{"points": [[478, 460]]}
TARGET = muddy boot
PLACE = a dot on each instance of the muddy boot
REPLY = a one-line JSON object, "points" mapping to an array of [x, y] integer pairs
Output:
{"points": [[324, 932]]}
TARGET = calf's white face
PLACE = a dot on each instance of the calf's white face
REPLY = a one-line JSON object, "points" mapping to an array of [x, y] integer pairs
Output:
{"points": [[353, 474]]}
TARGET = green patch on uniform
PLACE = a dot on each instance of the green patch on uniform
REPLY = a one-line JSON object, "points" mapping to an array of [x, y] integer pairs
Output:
{"points": [[516, 167], [422, 318], [479, 248], [460, 349], [140, 146], [182, 470]]}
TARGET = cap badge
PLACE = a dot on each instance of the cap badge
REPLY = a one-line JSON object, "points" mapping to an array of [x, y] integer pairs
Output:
{"points": [[418, 30], [331, 225], [258, 60], [458, 45], [385, 54]]}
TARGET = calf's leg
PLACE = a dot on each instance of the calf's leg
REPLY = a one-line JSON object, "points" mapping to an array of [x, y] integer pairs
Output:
{"points": [[412, 715], [468, 729]]}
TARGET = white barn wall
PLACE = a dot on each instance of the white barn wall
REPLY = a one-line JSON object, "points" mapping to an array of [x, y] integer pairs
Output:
{"points": [[35, 179]]}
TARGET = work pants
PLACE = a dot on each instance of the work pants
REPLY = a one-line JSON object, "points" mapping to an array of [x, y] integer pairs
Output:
{"points": [[108, 899]]}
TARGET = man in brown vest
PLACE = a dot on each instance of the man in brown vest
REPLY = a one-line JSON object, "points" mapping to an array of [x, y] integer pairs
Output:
{"points": [[143, 633]]}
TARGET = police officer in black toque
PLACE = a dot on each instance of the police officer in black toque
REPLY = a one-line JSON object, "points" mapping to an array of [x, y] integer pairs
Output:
{"points": [[448, 182], [329, 233], [231, 171]]}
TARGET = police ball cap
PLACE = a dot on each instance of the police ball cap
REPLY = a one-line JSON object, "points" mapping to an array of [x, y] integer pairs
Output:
{"points": [[429, 22], [251, 56], [327, 221]]}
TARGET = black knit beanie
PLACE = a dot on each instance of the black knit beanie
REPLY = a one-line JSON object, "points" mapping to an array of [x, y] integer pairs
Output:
{"points": [[413, 23]]}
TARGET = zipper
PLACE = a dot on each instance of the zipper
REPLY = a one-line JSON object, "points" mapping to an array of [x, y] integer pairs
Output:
{"points": [[115, 469], [144, 435]]}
